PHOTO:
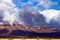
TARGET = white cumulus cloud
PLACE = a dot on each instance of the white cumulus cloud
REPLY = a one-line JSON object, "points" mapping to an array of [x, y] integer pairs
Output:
{"points": [[51, 14], [46, 3], [9, 11]]}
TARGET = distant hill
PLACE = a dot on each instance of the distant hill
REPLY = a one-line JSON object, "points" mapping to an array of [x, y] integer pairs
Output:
{"points": [[22, 30]]}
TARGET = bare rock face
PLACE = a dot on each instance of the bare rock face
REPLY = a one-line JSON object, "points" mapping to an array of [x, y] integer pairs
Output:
{"points": [[40, 29], [37, 29]]}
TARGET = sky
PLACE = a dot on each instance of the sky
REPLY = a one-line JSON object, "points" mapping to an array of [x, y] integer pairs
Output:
{"points": [[50, 9], [41, 4], [31, 12]]}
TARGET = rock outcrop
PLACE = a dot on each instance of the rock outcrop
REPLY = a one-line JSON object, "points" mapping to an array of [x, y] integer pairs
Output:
{"points": [[37, 29]]}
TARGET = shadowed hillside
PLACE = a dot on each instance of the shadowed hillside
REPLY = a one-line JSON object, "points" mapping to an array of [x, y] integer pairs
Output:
{"points": [[20, 30]]}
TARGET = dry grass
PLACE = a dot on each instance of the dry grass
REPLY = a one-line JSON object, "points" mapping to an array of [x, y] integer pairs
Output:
{"points": [[27, 39]]}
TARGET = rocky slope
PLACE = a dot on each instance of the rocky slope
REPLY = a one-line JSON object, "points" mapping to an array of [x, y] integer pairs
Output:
{"points": [[38, 29], [23, 30]]}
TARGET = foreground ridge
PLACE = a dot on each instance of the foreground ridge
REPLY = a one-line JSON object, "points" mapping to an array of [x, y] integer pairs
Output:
{"points": [[37, 29]]}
